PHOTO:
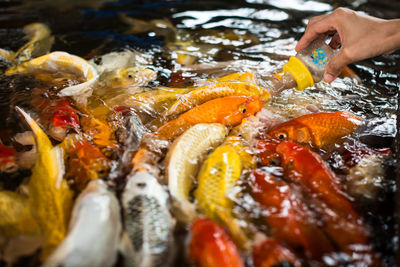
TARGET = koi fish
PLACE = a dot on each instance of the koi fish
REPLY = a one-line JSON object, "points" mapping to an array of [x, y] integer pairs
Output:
{"points": [[101, 133], [61, 63], [50, 197], [8, 159], [133, 77], [211, 246], [317, 129], [239, 76], [288, 217], [94, 230], [216, 90], [227, 110], [183, 159], [16, 216], [58, 115], [342, 223], [40, 42], [272, 253], [347, 72], [147, 221], [152, 103], [308, 168], [124, 59], [219, 173], [85, 162]]}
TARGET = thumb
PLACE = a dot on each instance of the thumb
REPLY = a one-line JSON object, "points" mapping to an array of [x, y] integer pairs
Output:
{"points": [[335, 66]]}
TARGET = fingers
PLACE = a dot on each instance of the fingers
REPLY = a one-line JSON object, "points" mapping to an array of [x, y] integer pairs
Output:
{"points": [[316, 27], [336, 65]]}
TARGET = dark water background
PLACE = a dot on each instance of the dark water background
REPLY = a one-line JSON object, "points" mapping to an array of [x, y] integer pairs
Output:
{"points": [[86, 28]]}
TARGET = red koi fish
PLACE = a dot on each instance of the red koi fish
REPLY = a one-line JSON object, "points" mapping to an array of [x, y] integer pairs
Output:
{"points": [[288, 217], [341, 221], [272, 253], [211, 246], [8, 159]]}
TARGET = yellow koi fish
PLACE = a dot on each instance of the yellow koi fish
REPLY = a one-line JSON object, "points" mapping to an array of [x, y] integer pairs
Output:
{"points": [[60, 63], [50, 196], [182, 162], [40, 42], [218, 174], [16, 216]]}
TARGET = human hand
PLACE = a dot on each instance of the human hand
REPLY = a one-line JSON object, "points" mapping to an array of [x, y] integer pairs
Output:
{"points": [[359, 36]]}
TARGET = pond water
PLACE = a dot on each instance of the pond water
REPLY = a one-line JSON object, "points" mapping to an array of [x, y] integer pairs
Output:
{"points": [[187, 42]]}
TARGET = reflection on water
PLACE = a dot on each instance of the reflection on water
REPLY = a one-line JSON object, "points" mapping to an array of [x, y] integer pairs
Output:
{"points": [[212, 38]]}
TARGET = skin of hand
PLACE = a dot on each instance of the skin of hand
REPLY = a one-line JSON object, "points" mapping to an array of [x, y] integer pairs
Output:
{"points": [[359, 36]]}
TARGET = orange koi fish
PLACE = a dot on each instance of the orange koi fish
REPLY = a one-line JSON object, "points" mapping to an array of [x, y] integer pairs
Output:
{"points": [[288, 217], [211, 246], [86, 162], [272, 253], [226, 110], [317, 129], [347, 72]]}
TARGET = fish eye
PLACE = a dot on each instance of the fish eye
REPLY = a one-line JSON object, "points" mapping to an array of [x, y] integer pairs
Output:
{"points": [[242, 108], [97, 60], [282, 136], [130, 76]]}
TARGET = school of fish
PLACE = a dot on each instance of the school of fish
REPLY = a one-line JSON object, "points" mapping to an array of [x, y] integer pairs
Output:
{"points": [[124, 172]]}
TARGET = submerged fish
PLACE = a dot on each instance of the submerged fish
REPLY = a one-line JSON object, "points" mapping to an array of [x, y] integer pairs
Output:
{"points": [[218, 174], [220, 89], [182, 161], [58, 116], [271, 253], [148, 222], [94, 230], [227, 110], [124, 59], [342, 223], [50, 198], [85, 162], [317, 129], [61, 63], [239, 76], [101, 132], [127, 78], [152, 103], [8, 159], [288, 217], [211, 246], [40, 42]]}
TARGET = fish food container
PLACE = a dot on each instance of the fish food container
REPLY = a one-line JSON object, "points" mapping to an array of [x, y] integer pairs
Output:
{"points": [[308, 66]]}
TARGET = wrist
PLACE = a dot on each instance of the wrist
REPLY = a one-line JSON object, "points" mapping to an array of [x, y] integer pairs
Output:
{"points": [[392, 37]]}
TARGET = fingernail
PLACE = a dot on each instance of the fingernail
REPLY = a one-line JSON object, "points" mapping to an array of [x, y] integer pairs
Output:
{"points": [[328, 77]]}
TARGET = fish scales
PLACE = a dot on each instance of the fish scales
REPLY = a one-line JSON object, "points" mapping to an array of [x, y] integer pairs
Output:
{"points": [[209, 92], [146, 211], [148, 222], [183, 161], [218, 174], [227, 110], [319, 129]]}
